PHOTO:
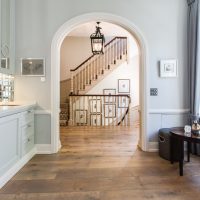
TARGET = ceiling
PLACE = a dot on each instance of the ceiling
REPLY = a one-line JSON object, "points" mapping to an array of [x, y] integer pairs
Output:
{"points": [[108, 29]]}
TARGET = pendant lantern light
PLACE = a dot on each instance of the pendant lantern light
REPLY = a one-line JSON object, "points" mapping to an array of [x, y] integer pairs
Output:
{"points": [[97, 41]]}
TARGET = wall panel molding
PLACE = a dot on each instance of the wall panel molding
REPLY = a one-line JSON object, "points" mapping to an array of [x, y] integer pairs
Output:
{"points": [[169, 111]]}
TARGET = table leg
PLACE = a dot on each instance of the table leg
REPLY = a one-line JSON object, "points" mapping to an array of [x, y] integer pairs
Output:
{"points": [[188, 151], [181, 158], [171, 149]]}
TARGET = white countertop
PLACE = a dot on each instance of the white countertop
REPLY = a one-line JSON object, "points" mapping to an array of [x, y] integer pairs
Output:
{"points": [[10, 108]]}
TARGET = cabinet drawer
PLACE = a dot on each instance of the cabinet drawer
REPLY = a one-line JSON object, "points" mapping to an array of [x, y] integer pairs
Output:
{"points": [[27, 116], [27, 144], [27, 130]]}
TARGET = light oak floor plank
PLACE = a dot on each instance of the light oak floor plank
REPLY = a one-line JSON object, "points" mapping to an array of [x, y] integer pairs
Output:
{"points": [[101, 163]]}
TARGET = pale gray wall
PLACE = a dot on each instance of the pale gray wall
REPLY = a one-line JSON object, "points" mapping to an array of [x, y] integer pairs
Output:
{"points": [[162, 22]]}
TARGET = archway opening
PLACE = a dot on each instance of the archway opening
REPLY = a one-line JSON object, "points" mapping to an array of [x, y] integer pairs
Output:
{"points": [[56, 45], [90, 77]]}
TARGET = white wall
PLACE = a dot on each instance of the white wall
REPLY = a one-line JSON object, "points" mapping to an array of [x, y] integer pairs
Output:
{"points": [[162, 23], [74, 51], [124, 71]]}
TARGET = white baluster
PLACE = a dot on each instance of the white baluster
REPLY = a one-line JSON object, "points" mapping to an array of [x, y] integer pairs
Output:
{"points": [[72, 84]]}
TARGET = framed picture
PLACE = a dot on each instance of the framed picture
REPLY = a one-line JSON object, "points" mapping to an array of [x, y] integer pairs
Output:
{"points": [[33, 66], [123, 85], [168, 68], [109, 110], [4, 63], [109, 98], [123, 102], [95, 119], [95, 106], [81, 116]]}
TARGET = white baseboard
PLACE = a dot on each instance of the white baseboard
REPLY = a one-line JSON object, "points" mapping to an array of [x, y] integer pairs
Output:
{"points": [[153, 147], [14, 169], [43, 148]]}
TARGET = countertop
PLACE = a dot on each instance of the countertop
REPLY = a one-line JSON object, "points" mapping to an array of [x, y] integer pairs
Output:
{"points": [[10, 108]]}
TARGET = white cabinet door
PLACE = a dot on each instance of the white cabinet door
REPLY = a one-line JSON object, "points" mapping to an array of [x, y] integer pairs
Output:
{"points": [[7, 36], [10, 141]]}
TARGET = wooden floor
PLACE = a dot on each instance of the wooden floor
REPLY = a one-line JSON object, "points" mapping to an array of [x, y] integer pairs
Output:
{"points": [[103, 164]]}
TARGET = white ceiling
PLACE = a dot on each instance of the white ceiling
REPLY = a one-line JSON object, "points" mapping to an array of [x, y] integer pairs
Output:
{"points": [[108, 29]]}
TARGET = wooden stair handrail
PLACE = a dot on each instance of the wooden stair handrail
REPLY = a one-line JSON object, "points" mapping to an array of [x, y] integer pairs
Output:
{"points": [[72, 70], [127, 110], [100, 95]]}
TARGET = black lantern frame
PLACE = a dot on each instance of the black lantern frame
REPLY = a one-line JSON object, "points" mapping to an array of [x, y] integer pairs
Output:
{"points": [[97, 41]]}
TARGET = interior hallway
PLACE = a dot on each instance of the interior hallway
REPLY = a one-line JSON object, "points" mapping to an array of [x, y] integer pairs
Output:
{"points": [[102, 164]]}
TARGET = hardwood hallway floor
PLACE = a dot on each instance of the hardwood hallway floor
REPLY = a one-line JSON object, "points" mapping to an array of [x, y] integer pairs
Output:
{"points": [[103, 164]]}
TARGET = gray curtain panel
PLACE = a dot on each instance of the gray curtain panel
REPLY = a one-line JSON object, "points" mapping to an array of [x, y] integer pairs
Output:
{"points": [[194, 55]]}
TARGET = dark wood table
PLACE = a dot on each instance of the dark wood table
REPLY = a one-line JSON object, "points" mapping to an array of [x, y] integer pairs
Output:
{"points": [[180, 135]]}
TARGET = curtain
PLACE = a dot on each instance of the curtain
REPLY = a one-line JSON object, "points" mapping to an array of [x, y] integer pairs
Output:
{"points": [[194, 55]]}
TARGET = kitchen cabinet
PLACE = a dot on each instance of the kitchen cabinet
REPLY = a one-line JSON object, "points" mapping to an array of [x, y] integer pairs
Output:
{"points": [[27, 131], [7, 36], [9, 141], [17, 138]]}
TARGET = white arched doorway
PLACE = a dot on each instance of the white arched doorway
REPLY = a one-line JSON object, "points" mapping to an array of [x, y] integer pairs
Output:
{"points": [[58, 38]]}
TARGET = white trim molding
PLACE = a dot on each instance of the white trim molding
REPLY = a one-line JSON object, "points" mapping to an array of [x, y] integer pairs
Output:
{"points": [[169, 111], [153, 147], [42, 112], [43, 148], [13, 170], [58, 38]]}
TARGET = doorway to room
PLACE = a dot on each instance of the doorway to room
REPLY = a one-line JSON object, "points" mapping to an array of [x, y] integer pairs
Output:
{"points": [[57, 42]]}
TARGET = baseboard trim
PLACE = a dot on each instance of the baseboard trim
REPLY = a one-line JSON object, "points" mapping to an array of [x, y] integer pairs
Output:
{"points": [[43, 148], [153, 147], [14, 169], [42, 112], [169, 111]]}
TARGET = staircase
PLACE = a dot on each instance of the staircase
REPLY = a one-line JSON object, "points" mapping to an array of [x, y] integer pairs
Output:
{"points": [[85, 76], [92, 110]]}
